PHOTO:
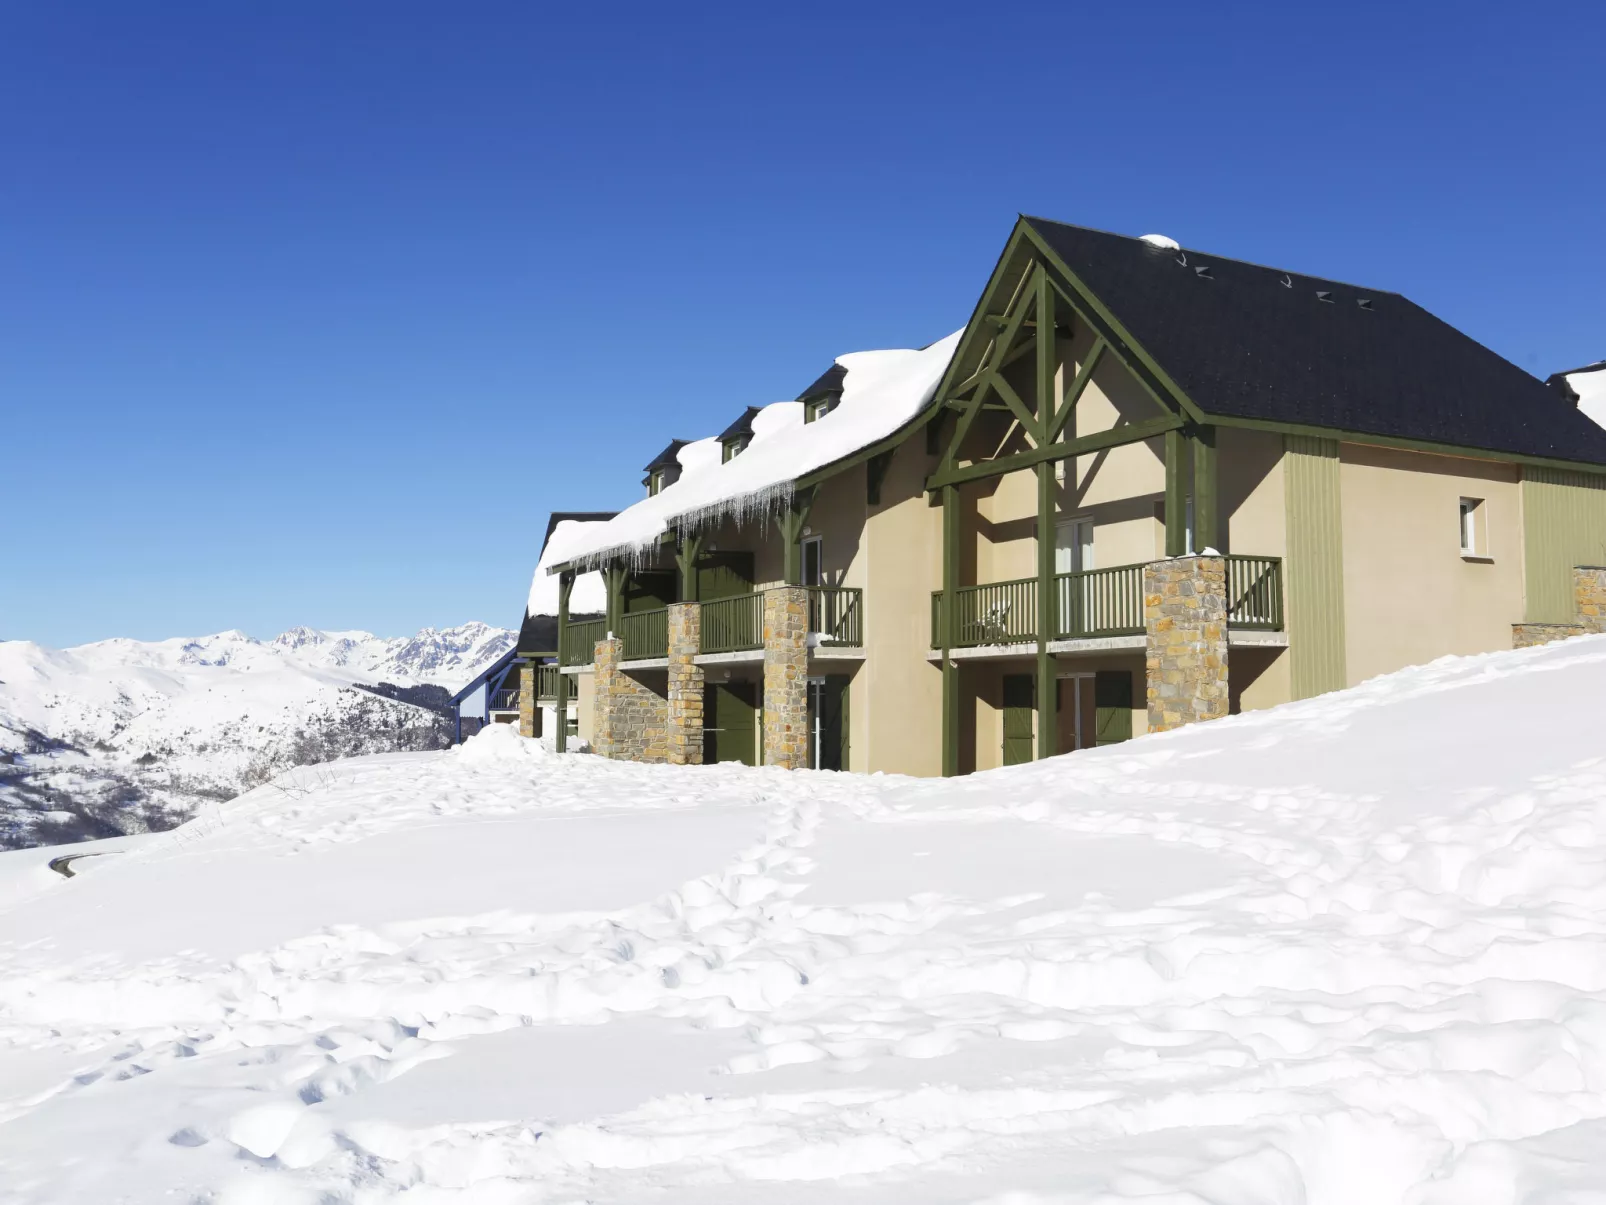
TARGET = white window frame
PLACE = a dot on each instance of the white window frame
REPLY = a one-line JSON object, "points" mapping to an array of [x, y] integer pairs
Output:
{"points": [[1472, 517]]}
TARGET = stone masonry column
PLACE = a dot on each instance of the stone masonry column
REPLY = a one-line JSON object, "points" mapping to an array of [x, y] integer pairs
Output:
{"points": [[786, 681], [1185, 615], [1589, 597], [685, 685], [529, 708], [605, 686]]}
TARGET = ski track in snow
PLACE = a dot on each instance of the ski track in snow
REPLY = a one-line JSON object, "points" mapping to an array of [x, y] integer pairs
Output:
{"points": [[1352, 950]]}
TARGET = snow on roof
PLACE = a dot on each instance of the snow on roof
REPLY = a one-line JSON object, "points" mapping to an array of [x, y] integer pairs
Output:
{"points": [[881, 391], [1164, 242], [589, 595], [1590, 386]]}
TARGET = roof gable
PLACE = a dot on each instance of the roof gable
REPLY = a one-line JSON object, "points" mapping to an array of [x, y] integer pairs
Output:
{"points": [[1255, 343]]}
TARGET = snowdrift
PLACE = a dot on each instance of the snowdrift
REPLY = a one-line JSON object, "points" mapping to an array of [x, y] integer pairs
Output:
{"points": [[1349, 951]]}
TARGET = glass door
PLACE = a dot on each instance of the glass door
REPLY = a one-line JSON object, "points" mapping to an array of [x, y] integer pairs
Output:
{"points": [[1073, 553]]}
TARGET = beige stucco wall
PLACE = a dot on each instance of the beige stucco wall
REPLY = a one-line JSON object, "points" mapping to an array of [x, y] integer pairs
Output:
{"points": [[895, 701], [582, 685], [1409, 595], [1254, 518]]}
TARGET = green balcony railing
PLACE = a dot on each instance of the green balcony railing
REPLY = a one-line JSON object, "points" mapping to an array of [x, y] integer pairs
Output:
{"points": [[1098, 602], [997, 613], [837, 614], [732, 625], [1255, 592], [580, 641], [506, 699], [645, 634], [546, 682]]}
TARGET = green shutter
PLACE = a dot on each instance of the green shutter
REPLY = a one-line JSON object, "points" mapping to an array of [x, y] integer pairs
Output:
{"points": [[834, 723], [1018, 708], [1563, 525], [1314, 567], [729, 723], [1112, 706]]}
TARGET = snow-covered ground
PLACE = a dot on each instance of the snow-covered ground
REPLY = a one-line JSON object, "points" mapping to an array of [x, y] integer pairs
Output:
{"points": [[1348, 952], [123, 735]]}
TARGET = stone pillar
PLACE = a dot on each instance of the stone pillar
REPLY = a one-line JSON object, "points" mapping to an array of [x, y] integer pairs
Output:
{"points": [[786, 677], [529, 709], [1185, 615], [630, 721], [604, 686], [1589, 597], [685, 685]]}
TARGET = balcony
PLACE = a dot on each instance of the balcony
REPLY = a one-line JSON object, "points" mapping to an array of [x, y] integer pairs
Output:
{"points": [[645, 634], [836, 615], [580, 642], [733, 625], [1097, 603]]}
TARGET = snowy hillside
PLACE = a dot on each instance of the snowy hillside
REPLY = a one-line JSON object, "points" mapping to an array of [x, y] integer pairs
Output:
{"points": [[124, 735], [1348, 952]]}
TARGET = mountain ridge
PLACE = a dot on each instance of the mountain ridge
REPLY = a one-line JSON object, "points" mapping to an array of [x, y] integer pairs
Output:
{"points": [[122, 735]]}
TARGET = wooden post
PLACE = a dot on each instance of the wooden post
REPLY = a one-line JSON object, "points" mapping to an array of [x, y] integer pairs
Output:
{"points": [[1047, 615], [1176, 494], [791, 521], [950, 610], [686, 554], [560, 706], [1206, 506]]}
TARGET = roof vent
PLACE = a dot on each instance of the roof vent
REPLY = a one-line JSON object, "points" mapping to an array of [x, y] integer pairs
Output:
{"points": [[1324, 295], [1364, 302], [1162, 242], [1203, 272], [1287, 281]]}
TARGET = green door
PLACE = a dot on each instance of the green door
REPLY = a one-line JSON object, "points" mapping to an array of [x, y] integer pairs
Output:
{"points": [[1112, 702], [724, 575], [1019, 704], [729, 723], [828, 722]]}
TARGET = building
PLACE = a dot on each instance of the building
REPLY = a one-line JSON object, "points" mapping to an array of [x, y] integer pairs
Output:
{"points": [[1144, 486]]}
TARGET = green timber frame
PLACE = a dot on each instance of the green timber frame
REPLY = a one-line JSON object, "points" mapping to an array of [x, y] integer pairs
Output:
{"points": [[1028, 310]]}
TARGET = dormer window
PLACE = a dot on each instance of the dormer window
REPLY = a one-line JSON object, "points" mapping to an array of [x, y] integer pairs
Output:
{"points": [[734, 447], [820, 398], [664, 470], [818, 407]]}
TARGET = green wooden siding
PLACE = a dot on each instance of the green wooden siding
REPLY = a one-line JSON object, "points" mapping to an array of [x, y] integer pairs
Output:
{"points": [[724, 575], [1563, 525], [1314, 568], [1018, 705], [1112, 703]]}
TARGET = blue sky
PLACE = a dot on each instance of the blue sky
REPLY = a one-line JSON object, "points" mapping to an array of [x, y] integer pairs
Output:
{"points": [[310, 313]]}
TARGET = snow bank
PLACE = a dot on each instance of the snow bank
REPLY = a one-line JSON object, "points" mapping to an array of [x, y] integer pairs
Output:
{"points": [[882, 391], [1348, 952]]}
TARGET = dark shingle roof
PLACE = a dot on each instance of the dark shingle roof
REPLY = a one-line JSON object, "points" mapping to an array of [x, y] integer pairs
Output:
{"points": [[1249, 342], [829, 381], [667, 457], [742, 426]]}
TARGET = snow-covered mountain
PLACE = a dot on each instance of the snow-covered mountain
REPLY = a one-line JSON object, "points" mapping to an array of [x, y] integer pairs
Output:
{"points": [[129, 735]]}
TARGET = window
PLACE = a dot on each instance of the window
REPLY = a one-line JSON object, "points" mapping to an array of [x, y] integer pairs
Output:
{"points": [[1073, 546], [817, 408], [1474, 540], [814, 562], [733, 448], [655, 482]]}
